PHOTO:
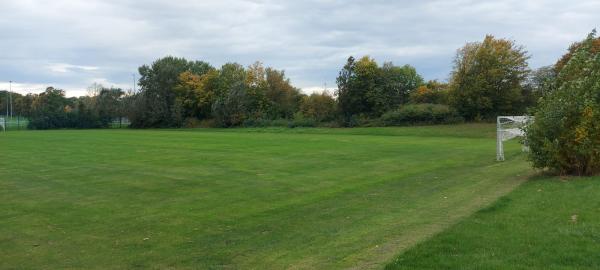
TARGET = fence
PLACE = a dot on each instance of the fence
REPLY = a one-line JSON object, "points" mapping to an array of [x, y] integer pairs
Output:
{"points": [[14, 122], [120, 122], [20, 123]]}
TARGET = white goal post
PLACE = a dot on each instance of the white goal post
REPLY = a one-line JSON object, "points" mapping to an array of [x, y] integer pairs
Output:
{"points": [[3, 123], [509, 127]]}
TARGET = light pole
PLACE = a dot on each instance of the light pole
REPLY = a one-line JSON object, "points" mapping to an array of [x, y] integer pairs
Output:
{"points": [[7, 98], [133, 76], [10, 97]]}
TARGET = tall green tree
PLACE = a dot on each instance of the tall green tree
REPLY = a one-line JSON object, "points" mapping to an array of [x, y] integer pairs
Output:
{"points": [[367, 90], [357, 82], [156, 104], [256, 87], [20, 104], [488, 77], [393, 87], [347, 95], [232, 108], [196, 93], [47, 109], [542, 81], [366, 83], [109, 104], [283, 98], [565, 136], [231, 103]]}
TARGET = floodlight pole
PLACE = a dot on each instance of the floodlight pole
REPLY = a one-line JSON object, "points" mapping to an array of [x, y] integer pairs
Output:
{"points": [[7, 98], [10, 97], [133, 76]]}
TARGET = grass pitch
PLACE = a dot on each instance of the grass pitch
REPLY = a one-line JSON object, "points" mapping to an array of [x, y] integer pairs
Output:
{"points": [[241, 198], [546, 223]]}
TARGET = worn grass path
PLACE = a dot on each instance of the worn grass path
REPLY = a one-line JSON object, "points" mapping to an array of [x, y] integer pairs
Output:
{"points": [[242, 198], [546, 223]]}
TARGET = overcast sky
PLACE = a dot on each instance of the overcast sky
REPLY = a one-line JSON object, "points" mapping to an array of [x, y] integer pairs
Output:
{"points": [[72, 44]]}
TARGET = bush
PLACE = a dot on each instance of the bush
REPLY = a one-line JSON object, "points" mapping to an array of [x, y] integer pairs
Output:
{"points": [[299, 120], [565, 136], [208, 123], [262, 122], [420, 114], [67, 118], [192, 122]]}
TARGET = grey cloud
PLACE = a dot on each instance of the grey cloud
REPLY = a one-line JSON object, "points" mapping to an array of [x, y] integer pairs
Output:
{"points": [[309, 39]]}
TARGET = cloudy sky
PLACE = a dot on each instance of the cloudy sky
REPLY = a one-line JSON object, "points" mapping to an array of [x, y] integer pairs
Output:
{"points": [[71, 44]]}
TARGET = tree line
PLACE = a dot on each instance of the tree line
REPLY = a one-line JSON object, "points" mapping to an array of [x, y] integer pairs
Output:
{"points": [[489, 78], [51, 109]]}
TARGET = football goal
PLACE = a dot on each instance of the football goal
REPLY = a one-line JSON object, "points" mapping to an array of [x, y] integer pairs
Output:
{"points": [[3, 123], [509, 127]]}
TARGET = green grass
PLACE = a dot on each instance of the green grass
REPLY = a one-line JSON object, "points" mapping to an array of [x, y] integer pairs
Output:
{"points": [[547, 223], [463, 131], [240, 198]]}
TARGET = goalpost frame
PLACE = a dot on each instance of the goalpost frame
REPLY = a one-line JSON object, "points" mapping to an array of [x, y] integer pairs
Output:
{"points": [[504, 134], [499, 145]]}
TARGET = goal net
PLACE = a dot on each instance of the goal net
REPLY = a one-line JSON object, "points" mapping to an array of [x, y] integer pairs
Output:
{"points": [[509, 127], [3, 123]]}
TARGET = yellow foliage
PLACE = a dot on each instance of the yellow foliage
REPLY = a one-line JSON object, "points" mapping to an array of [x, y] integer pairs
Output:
{"points": [[581, 133]]}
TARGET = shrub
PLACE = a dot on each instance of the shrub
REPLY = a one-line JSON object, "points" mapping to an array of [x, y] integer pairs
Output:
{"points": [[208, 123], [192, 122], [262, 122], [256, 122], [419, 114], [565, 136], [301, 121]]}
